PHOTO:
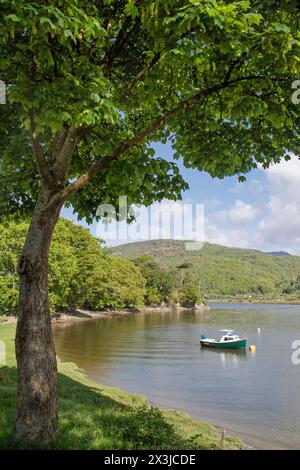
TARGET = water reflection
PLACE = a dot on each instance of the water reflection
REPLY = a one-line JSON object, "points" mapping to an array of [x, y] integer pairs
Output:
{"points": [[230, 356], [159, 355]]}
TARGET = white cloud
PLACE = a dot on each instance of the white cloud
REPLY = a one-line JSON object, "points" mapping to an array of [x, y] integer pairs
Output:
{"points": [[211, 203], [253, 185], [232, 237], [239, 213], [271, 221], [256, 186], [164, 220], [281, 226]]}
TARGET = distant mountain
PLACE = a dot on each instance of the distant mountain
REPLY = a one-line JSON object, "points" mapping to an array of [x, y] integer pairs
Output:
{"points": [[220, 270], [278, 253]]}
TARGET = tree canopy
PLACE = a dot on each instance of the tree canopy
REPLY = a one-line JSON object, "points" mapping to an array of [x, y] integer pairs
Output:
{"points": [[91, 84], [160, 281], [81, 274]]}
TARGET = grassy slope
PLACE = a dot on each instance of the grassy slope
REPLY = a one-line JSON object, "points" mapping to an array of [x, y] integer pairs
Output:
{"points": [[221, 270], [94, 416]]}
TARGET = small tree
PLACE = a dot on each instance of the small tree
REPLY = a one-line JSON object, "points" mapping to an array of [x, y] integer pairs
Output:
{"points": [[181, 269], [90, 85], [160, 281], [190, 295]]}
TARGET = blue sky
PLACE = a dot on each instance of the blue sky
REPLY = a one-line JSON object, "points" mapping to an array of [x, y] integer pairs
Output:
{"points": [[262, 213]]}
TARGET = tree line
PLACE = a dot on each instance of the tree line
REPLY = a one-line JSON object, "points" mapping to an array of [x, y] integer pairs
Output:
{"points": [[82, 274]]}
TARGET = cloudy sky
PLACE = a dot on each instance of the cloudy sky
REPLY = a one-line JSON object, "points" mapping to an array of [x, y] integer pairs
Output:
{"points": [[262, 213]]}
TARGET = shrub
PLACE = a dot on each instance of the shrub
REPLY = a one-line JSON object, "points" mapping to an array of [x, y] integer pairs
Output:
{"points": [[190, 295], [160, 281]]}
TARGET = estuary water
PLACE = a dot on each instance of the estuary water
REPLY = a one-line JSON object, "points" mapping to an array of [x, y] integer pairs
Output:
{"points": [[256, 395]]}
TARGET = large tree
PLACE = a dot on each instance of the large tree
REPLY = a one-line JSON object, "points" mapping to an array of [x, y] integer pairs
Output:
{"points": [[90, 84]]}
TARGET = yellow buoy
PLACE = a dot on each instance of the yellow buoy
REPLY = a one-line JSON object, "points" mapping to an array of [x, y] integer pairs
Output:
{"points": [[252, 348]]}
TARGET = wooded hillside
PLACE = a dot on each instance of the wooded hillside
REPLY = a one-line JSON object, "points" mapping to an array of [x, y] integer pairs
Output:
{"points": [[223, 271]]}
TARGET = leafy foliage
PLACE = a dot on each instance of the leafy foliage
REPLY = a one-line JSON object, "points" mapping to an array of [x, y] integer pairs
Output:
{"points": [[80, 273], [160, 281], [213, 77], [116, 283], [12, 237], [221, 271], [291, 287], [190, 295]]}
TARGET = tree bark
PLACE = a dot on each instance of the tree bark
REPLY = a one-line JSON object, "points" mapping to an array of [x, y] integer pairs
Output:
{"points": [[37, 403]]}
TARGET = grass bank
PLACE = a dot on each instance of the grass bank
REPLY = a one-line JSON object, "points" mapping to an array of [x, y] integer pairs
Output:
{"points": [[93, 416]]}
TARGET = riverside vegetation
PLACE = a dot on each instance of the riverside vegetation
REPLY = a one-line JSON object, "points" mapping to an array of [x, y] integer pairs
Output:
{"points": [[224, 273], [83, 275], [94, 416]]}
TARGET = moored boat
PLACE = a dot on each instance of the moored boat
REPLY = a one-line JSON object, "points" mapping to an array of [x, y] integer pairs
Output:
{"points": [[229, 340]]}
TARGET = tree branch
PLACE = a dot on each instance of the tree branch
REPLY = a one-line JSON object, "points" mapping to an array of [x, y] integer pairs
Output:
{"points": [[59, 139], [38, 151], [137, 138], [147, 67], [238, 61], [62, 159], [123, 36], [141, 74]]}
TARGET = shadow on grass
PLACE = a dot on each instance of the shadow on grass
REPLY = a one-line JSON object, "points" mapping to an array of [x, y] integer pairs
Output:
{"points": [[89, 419]]}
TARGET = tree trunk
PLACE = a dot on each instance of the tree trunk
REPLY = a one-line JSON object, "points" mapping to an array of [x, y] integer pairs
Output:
{"points": [[37, 408]]}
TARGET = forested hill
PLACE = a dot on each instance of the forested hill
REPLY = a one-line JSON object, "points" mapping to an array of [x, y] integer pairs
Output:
{"points": [[223, 271]]}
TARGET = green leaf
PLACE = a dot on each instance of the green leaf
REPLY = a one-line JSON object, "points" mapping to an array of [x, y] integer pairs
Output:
{"points": [[13, 18], [131, 9], [254, 18]]}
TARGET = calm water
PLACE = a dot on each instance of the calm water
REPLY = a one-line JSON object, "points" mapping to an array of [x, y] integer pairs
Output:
{"points": [[255, 394]]}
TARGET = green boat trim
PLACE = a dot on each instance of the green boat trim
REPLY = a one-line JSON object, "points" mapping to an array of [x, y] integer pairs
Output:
{"points": [[228, 341]]}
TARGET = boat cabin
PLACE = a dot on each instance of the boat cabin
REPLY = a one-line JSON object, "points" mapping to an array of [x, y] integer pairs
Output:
{"points": [[229, 335]]}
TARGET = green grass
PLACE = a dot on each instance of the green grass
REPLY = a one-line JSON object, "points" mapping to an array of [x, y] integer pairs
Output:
{"points": [[93, 416]]}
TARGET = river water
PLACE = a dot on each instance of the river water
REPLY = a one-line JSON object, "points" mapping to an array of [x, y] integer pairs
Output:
{"points": [[254, 394]]}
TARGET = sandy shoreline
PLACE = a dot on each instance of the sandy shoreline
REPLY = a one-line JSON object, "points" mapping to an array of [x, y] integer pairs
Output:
{"points": [[85, 315], [75, 315]]}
